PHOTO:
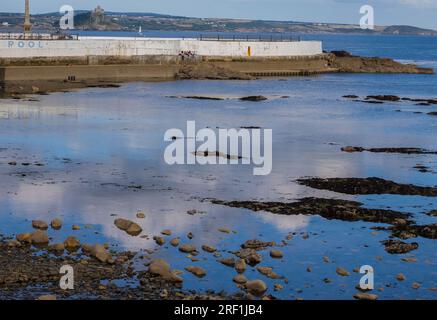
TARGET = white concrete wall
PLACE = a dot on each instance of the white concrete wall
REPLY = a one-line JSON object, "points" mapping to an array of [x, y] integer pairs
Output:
{"points": [[104, 46]]}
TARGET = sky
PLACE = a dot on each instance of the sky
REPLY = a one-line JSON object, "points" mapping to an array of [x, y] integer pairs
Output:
{"points": [[421, 13]]}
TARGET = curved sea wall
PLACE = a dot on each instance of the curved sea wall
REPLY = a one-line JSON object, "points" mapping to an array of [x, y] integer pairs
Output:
{"points": [[131, 47]]}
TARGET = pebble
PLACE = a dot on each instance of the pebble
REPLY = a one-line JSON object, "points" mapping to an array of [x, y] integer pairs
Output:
{"points": [[240, 279], [224, 230], [342, 272], [159, 240], [230, 262], [209, 249], [166, 232], [278, 287], [276, 254], [416, 285], [365, 296], [141, 215], [400, 277], [175, 242]]}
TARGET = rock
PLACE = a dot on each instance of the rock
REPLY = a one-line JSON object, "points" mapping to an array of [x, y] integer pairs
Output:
{"points": [[384, 98], [240, 266], [190, 235], [400, 277], [161, 268], [39, 237], [101, 253], [409, 259], [276, 254], [250, 255], [416, 285], [87, 248], [257, 244], [264, 270], [72, 244], [230, 262], [399, 247], [208, 71], [278, 287], [56, 224], [254, 98], [326, 259], [159, 240], [352, 149], [240, 279], [141, 215], [24, 237], [433, 113], [224, 230], [365, 296], [351, 96], [256, 287], [342, 272], [75, 227], [432, 213], [166, 232], [209, 249], [187, 248], [14, 244], [128, 226], [39, 224], [57, 247], [197, 271], [175, 242], [47, 298]]}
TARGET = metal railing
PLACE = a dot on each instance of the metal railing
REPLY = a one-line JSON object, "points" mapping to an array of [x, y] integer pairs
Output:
{"points": [[37, 36], [254, 38]]}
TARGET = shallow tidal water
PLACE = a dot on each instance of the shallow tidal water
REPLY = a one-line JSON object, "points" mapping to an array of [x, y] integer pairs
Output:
{"points": [[96, 144]]}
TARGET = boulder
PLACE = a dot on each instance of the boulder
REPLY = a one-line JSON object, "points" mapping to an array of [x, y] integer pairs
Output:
{"points": [[24, 237], [128, 226], [72, 244], [56, 224], [39, 224], [39, 237], [256, 287], [240, 266], [197, 271], [161, 268]]}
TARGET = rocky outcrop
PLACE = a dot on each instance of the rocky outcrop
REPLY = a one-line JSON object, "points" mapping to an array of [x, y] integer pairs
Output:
{"points": [[345, 62]]}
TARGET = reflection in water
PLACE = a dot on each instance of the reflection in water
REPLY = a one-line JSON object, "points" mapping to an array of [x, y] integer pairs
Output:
{"points": [[101, 152]]}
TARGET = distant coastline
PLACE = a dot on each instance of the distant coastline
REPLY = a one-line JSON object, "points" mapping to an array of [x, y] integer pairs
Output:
{"points": [[132, 22]]}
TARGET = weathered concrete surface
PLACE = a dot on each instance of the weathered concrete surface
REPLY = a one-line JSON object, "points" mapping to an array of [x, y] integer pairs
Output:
{"points": [[125, 47]]}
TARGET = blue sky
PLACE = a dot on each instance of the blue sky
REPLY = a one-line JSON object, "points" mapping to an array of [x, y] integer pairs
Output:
{"points": [[420, 13]]}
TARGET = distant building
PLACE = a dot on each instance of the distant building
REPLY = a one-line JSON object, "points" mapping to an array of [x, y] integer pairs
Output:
{"points": [[98, 15], [5, 24]]}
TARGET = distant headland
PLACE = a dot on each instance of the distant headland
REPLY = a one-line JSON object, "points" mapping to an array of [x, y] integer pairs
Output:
{"points": [[132, 22]]}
